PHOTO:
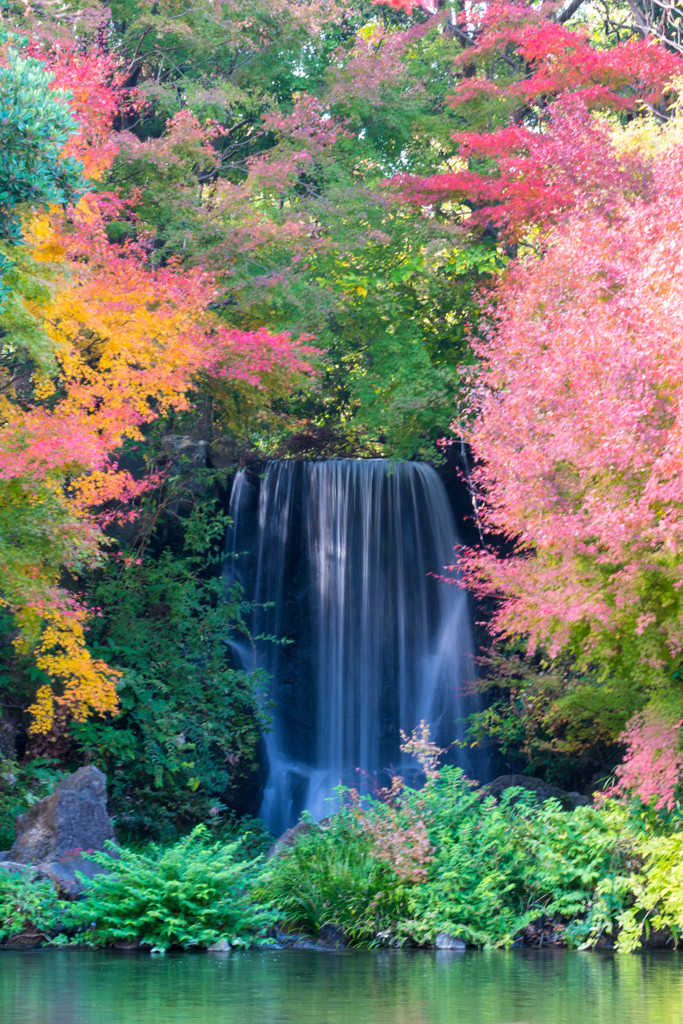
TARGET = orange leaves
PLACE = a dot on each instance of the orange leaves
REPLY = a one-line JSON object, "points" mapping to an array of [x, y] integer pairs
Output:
{"points": [[129, 342], [88, 685], [115, 344]]}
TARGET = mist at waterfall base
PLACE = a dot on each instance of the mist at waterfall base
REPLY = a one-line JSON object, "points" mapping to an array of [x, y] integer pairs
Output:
{"points": [[337, 557]]}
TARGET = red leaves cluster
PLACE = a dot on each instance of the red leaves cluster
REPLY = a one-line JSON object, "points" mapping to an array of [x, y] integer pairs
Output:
{"points": [[554, 58], [538, 175], [549, 156]]}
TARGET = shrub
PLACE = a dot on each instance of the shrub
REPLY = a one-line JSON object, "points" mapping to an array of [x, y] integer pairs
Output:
{"points": [[189, 895], [568, 854], [656, 892], [332, 876], [449, 858], [29, 905], [475, 882]]}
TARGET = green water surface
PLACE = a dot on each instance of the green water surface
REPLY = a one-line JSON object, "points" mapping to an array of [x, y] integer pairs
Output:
{"points": [[307, 987]]}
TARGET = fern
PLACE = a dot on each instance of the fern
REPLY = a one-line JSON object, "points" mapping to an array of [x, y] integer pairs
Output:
{"points": [[188, 895]]}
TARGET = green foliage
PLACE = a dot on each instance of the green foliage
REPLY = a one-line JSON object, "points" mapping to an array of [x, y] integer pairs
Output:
{"points": [[550, 715], [22, 785], [35, 125], [574, 852], [489, 871], [29, 906], [251, 833], [475, 882], [188, 895], [656, 892], [500, 867], [330, 876], [387, 293], [190, 722]]}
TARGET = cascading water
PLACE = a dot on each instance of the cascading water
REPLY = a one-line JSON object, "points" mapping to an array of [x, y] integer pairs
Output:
{"points": [[336, 557]]}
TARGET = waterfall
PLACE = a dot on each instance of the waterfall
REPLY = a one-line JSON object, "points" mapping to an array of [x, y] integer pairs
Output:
{"points": [[336, 557]]}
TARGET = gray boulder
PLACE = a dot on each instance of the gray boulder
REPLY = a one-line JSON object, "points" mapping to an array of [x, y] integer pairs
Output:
{"points": [[225, 453], [542, 789], [220, 946], [56, 831], [289, 838], [332, 936], [185, 451]]}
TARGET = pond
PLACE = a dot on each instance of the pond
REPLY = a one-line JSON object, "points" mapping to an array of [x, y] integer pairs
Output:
{"points": [[360, 987]]}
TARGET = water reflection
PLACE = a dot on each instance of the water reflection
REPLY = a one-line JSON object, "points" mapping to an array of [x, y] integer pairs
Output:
{"points": [[302, 987]]}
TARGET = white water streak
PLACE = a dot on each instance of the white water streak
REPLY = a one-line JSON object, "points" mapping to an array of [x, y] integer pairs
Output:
{"points": [[343, 551]]}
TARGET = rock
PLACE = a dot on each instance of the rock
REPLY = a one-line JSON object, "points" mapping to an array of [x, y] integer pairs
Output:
{"points": [[14, 868], [659, 938], [184, 452], [542, 789], [30, 938], [186, 458], [57, 830], [292, 835], [289, 838], [446, 941], [545, 931], [225, 453], [8, 738], [221, 946], [332, 936]]}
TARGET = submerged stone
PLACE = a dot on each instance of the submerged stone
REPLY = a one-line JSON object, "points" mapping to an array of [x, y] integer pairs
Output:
{"points": [[220, 946], [446, 941]]}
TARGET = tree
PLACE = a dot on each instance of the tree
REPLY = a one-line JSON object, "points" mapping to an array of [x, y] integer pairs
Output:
{"points": [[535, 85], [268, 165], [111, 345], [578, 434], [35, 127]]}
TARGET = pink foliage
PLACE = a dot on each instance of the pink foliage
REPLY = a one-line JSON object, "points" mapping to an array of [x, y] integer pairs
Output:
{"points": [[184, 134], [579, 431], [397, 831], [94, 80], [398, 5], [653, 764], [309, 123], [400, 839], [407, 6], [250, 356], [371, 69]]}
